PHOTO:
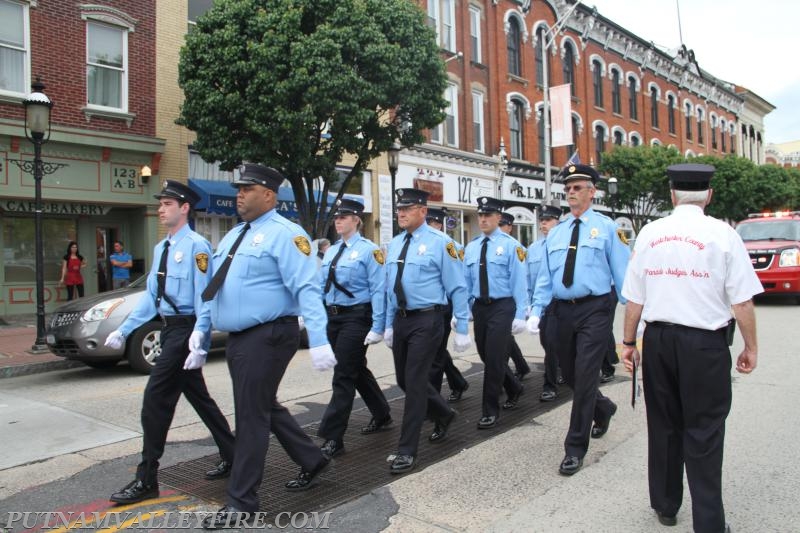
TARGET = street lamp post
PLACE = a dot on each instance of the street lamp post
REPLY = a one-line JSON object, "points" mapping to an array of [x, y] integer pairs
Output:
{"points": [[393, 155], [613, 188], [37, 130]]}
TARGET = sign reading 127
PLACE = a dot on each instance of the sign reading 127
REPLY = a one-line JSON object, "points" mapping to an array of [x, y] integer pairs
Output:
{"points": [[124, 178]]}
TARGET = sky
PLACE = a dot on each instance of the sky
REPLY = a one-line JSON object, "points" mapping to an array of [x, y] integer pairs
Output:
{"points": [[752, 44]]}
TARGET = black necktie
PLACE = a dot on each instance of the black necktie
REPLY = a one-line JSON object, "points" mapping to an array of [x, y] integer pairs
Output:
{"points": [[219, 276], [401, 265], [161, 276], [569, 266], [484, 273], [332, 270]]}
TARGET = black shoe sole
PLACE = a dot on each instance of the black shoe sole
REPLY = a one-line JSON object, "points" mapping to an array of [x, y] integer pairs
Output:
{"points": [[125, 501]]}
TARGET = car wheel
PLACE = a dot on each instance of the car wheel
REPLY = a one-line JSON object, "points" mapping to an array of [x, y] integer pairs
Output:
{"points": [[144, 347], [100, 365]]}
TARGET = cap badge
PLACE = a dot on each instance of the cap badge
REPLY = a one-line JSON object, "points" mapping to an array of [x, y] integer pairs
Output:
{"points": [[178, 256], [165, 185], [571, 169], [594, 233], [484, 200], [400, 192]]}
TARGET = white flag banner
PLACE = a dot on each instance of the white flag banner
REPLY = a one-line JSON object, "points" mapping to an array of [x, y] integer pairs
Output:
{"points": [[561, 115]]}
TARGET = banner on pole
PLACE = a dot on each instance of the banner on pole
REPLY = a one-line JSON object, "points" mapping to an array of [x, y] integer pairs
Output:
{"points": [[561, 115]]}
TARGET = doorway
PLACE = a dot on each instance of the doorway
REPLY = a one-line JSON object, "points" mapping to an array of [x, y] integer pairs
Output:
{"points": [[104, 238]]}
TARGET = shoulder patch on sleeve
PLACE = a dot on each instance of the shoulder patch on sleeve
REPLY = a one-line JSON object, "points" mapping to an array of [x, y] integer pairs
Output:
{"points": [[201, 260], [303, 245], [451, 250], [521, 254], [622, 236], [378, 255], [461, 254]]}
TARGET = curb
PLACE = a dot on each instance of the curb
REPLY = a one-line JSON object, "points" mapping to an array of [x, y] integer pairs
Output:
{"points": [[37, 368]]}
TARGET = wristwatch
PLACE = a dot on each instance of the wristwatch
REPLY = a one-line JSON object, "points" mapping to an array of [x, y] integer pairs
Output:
{"points": [[629, 343]]}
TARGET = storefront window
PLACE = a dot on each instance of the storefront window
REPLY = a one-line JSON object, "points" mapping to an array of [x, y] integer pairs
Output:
{"points": [[19, 255], [213, 228]]}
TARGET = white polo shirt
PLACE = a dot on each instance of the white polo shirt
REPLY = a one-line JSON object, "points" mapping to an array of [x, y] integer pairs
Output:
{"points": [[688, 269]]}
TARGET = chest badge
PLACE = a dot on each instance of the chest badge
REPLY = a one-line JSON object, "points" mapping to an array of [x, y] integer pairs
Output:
{"points": [[594, 233], [421, 250], [258, 239], [353, 255], [499, 251], [178, 256]]}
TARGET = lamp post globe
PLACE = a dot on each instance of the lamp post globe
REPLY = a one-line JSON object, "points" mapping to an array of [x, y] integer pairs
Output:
{"points": [[393, 156], [613, 189]]}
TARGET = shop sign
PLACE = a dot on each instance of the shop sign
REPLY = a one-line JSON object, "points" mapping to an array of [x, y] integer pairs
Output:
{"points": [[54, 208]]}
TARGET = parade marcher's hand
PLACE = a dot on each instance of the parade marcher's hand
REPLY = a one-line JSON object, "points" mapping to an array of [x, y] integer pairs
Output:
{"points": [[461, 342], [640, 329], [196, 341], [517, 326], [322, 357], [533, 325], [372, 338], [388, 337], [747, 361], [115, 339], [629, 355], [453, 323], [196, 359], [301, 323]]}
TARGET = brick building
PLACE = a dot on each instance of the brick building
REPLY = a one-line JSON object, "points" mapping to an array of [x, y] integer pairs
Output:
{"points": [[97, 62]]}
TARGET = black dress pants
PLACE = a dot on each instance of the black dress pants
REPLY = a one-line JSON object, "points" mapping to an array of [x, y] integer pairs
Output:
{"points": [[515, 354], [257, 359], [581, 342], [686, 374], [167, 381], [492, 337], [416, 342], [546, 334], [443, 363], [346, 332], [611, 358]]}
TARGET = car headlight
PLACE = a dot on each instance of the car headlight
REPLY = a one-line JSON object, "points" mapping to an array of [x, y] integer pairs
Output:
{"points": [[790, 258], [102, 310]]}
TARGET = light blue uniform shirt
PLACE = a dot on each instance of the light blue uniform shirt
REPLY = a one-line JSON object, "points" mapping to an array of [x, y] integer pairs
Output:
{"points": [[601, 260], [360, 271], [534, 262], [272, 275], [189, 253], [505, 267], [433, 273]]}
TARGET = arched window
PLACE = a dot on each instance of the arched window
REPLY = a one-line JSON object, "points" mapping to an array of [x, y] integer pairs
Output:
{"points": [[515, 125], [540, 114], [633, 107], [575, 125], [568, 67], [688, 107], [616, 89], [714, 132], [540, 51], [597, 81], [700, 139], [636, 139], [619, 137], [654, 106], [671, 113], [513, 47], [722, 132], [599, 142]]}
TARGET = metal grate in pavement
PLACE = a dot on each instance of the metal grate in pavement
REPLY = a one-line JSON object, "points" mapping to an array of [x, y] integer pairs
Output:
{"points": [[363, 467]]}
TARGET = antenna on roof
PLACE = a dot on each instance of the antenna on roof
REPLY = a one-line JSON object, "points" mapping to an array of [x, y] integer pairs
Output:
{"points": [[680, 31]]}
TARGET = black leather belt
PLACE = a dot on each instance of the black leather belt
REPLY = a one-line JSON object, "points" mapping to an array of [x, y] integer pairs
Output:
{"points": [[282, 320], [339, 309], [490, 301], [178, 320], [582, 299], [410, 312]]}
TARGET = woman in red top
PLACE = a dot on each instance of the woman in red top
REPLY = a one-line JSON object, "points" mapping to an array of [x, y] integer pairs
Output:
{"points": [[71, 266]]}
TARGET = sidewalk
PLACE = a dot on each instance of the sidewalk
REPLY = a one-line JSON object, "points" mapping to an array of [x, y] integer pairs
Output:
{"points": [[16, 358]]}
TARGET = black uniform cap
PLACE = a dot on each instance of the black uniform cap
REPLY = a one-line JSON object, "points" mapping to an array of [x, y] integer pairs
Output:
{"points": [[690, 176], [549, 211], [506, 219], [437, 214], [346, 206], [580, 172], [489, 205], [253, 174], [179, 191], [409, 197]]}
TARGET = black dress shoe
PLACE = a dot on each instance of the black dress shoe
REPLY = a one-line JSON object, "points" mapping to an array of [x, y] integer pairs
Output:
{"points": [[511, 402], [376, 425], [332, 448], [666, 520], [227, 517], [222, 470], [307, 479], [600, 428], [606, 377], [135, 491], [402, 464], [456, 394], [570, 465], [487, 422], [560, 380], [548, 396], [440, 428]]}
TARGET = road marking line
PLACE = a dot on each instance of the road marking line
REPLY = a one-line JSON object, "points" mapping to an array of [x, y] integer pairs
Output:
{"points": [[117, 509], [131, 521]]}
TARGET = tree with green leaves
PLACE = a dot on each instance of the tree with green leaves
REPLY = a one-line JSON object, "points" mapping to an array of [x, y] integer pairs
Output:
{"points": [[298, 84]]}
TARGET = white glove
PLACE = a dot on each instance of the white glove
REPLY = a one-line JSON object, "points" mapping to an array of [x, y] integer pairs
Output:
{"points": [[196, 341], [301, 323], [533, 325], [461, 342], [115, 339], [453, 322], [196, 359], [517, 326], [372, 338], [322, 357], [388, 337], [640, 329], [470, 316]]}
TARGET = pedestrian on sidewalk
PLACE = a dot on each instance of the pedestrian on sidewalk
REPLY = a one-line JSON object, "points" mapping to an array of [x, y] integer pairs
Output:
{"points": [[353, 285], [121, 264], [583, 254], [687, 271], [179, 274], [71, 265]]}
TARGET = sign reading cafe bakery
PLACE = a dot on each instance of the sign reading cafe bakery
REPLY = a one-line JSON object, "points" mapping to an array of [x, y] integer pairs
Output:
{"points": [[10, 205]]}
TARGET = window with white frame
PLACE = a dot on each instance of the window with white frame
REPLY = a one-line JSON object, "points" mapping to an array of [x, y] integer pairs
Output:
{"points": [[515, 121], [442, 16], [477, 120], [447, 131], [107, 66], [14, 47], [475, 33]]}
